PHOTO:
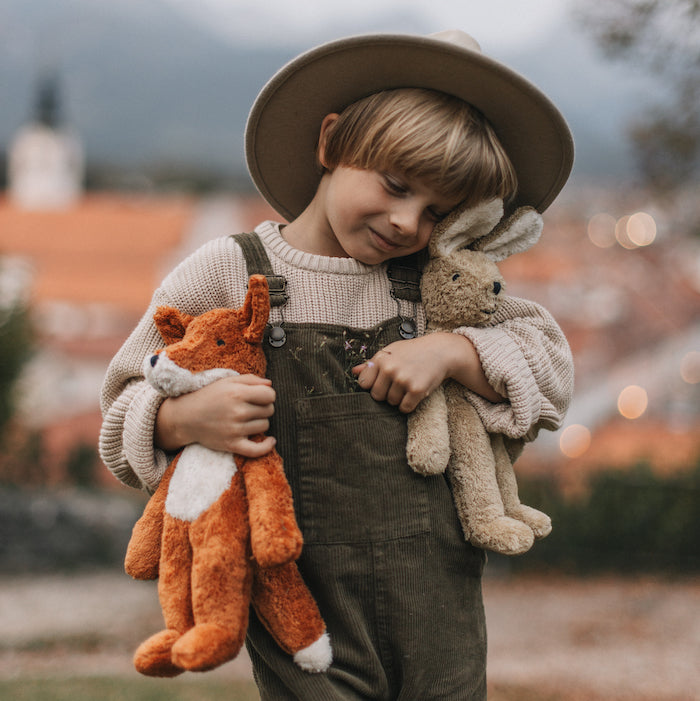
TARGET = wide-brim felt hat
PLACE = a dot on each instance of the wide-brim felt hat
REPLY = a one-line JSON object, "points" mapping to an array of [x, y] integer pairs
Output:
{"points": [[284, 123]]}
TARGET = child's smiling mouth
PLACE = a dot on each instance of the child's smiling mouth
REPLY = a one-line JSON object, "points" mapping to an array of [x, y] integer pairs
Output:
{"points": [[382, 242]]}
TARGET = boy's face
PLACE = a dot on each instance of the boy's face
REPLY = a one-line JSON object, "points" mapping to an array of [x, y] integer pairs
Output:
{"points": [[374, 216]]}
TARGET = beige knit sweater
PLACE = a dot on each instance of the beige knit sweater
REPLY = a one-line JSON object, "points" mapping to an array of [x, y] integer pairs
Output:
{"points": [[523, 352]]}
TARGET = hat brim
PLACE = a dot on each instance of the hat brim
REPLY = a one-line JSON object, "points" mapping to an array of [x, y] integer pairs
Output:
{"points": [[284, 122]]}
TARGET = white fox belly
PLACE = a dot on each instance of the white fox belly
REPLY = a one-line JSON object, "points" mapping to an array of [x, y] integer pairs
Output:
{"points": [[200, 478]]}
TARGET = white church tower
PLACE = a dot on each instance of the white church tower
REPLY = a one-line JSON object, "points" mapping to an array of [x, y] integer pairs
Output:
{"points": [[46, 163]]}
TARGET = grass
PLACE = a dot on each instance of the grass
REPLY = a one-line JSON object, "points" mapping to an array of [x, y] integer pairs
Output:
{"points": [[117, 689], [141, 689]]}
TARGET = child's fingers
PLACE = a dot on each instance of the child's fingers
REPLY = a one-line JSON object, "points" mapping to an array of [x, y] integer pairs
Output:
{"points": [[376, 376], [366, 374], [248, 389], [410, 401], [253, 380], [253, 449], [254, 427]]}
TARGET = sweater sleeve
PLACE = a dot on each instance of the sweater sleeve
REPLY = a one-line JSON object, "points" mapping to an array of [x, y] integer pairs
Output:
{"points": [[527, 359], [209, 278]]}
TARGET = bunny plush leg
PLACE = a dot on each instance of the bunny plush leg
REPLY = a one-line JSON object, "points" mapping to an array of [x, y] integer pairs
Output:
{"points": [[476, 492], [288, 611], [221, 583], [428, 443], [539, 522], [153, 656]]}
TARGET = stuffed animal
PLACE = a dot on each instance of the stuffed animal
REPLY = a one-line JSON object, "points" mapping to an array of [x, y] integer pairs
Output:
{"points": [[462, 286], [220, 532]]}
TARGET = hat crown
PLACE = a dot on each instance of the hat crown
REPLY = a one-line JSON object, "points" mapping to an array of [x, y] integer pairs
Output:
{"points": [[283, 125], [458, 38]]}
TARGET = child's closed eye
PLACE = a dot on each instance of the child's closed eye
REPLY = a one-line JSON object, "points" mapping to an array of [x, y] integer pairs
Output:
{"points": [[394, 186], [437, 216]]}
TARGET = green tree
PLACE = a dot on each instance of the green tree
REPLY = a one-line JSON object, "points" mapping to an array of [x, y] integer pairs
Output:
{"points": [[15, 350], [662, 36]]}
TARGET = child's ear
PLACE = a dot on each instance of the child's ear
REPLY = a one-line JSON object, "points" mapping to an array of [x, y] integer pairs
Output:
{"points": [[327, 125]]}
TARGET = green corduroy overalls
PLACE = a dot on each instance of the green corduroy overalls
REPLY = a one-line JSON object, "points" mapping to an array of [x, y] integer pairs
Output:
{"points": [[384, 553]]}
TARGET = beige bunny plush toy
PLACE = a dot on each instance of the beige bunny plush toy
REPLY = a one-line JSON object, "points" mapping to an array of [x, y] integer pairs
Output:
{"points": [[462, 286]]}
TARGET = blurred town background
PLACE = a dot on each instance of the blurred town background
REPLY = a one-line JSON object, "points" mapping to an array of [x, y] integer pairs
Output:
{"points": [[121, 151]]}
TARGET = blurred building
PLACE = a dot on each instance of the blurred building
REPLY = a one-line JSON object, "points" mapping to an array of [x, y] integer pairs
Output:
{"points": [[89, 271], [621, 275], [87, 265], [45, 161]]}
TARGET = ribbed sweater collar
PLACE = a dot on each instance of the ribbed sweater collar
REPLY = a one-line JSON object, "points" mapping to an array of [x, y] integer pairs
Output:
{"points": [[270, 235]]}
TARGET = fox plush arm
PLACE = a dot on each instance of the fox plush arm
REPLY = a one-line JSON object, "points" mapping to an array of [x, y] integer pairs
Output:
{"points": [[275, 537]]}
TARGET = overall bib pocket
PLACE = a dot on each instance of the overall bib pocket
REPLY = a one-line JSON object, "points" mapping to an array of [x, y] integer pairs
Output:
{"points": [[355, 484]]}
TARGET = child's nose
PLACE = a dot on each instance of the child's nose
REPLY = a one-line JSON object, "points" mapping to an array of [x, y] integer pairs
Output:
{"points": [[406, 218]]}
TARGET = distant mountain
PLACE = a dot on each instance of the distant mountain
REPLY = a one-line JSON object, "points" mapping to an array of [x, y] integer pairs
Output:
{"points": [[144, 85], [140, 84]]}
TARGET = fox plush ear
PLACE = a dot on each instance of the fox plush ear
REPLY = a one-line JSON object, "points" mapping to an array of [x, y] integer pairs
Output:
{"points": [[171, 323], [256, 308]]}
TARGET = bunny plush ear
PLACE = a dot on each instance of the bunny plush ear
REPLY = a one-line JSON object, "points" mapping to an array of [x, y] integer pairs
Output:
{"points": [[484, 228], [463, 226], [513, 234]]}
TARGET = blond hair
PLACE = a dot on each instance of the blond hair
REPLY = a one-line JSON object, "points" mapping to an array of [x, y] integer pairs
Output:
{"points": [[424, 134]]}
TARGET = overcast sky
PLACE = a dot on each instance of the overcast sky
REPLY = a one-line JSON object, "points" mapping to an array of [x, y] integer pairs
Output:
{"points": [[496, 24]]}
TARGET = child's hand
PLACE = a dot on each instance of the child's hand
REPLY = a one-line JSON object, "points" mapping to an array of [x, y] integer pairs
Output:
{"points": [[405, 372], [220, 416]]}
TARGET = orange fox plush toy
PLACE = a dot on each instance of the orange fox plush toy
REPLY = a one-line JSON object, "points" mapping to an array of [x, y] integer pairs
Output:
{"points": [[219, 532]]}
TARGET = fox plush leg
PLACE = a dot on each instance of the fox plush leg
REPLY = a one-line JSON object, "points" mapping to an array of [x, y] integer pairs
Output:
{"points": [[539, 522], [288, 611], [154, 656], [221, 583], [474, 484]]}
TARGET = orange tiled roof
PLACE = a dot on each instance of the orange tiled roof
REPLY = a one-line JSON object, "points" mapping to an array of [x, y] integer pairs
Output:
{"points": [[106, 249]]}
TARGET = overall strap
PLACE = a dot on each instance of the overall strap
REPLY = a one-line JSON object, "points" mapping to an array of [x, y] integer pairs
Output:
{"points": [[404, 274], [259, 264]]}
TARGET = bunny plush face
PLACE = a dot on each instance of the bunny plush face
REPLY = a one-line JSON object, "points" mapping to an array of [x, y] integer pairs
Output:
{"points": [[463, 289], [461, 284]]}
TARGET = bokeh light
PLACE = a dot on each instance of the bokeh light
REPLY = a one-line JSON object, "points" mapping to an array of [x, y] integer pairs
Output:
{"points": [[601, 230], [632, 402], [641, 229], [622, 235], [690, 367], [574, 440]]}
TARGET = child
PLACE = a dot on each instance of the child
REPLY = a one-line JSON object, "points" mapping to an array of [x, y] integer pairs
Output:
{"points": [[363, 145]]}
